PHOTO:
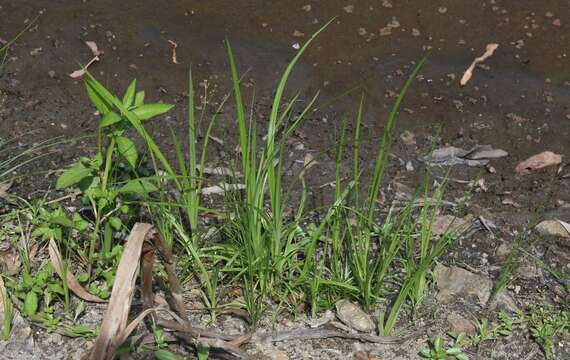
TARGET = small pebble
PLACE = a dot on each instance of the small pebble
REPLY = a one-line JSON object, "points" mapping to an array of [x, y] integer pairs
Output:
{"points": [[349, 9]]}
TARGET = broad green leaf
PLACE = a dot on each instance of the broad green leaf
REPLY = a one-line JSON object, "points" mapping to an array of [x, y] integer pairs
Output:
{"points": [[138, 186], [56, 288], [103, 94], [425, 353], [453, 351], [107, 237], [79, 223], [27, 280], [61, 220], [42, 277], [31, 303], [57, 234], [80, 330], [136, 123], [203, 353], [88, 183], [127, 149], [147, 111], [139, 98], [44, 232], [109, 119], [129, 96], [102, 203], [100, 104], [115, 222], [72, 176]]}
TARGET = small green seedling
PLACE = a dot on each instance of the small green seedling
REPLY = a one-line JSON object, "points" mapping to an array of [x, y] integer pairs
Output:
{"points": [[159, 338], [545, 324], [203, 353], [437, 351], [42, 285]]}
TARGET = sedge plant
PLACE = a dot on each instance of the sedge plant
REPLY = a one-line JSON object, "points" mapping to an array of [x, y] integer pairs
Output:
{"points": [[355, 247], [263, 235]]}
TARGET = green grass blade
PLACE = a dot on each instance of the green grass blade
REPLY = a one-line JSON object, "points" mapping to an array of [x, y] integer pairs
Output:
{"points": [[382, 156]]}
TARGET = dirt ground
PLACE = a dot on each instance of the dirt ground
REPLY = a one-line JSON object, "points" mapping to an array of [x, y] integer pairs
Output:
{"points": [[518, 101]]}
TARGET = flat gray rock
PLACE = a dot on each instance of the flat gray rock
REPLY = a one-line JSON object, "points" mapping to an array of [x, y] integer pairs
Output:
{"points": [[354, 317], [455, 282]]}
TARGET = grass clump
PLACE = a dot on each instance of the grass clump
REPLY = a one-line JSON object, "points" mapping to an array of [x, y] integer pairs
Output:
{"points": [[346, 250]]}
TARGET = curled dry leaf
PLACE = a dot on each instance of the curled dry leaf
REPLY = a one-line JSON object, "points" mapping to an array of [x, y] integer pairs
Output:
{"points": [[476, 156], [538, 161], [93, 47], [142, 243], [115, 322], [469, 72], [220, 189], [10, 261], [308, 162], [217, 140], [79, 73], [220, 171], [96, 53], [3, 295], [4, 187], [174, 46], [72, 283], [565, 225]]}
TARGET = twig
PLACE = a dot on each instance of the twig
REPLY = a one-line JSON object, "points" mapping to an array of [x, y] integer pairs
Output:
{"points": [[321, 333]]}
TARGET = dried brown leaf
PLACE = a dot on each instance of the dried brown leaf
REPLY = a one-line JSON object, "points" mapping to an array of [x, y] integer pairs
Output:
{"points": [[565, 225], [490, 49], [93, 47], [3, 295], [79, 73], [72, 283], [10, 260], [216, 139], [115, 321], [220, 189], [4, 187], [220, 171], [174, 46], [538, 161]]}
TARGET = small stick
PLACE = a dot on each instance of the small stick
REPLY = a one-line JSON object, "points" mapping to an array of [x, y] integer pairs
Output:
{"points": [[174, 46], [320, 333]]}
